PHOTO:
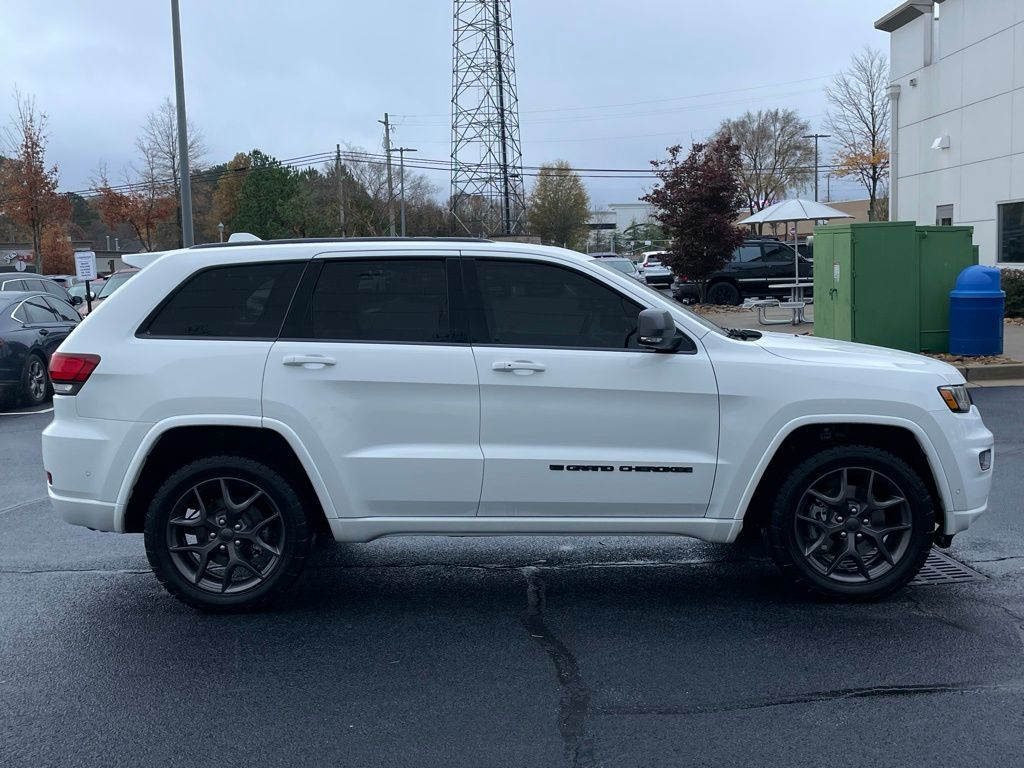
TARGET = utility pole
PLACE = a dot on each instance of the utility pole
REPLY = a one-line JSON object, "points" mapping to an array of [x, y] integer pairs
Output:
{"points": [[187, 236], [828, 187], [341, 189], [401, 182], [391, 186], [817, 136]]}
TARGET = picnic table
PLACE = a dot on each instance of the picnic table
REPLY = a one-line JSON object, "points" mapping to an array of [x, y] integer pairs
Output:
{"points": [[795, 304]]}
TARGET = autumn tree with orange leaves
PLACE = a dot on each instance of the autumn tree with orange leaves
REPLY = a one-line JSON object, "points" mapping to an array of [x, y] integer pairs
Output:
{"points": [[144, 201], [28, 188], [858, 118]]}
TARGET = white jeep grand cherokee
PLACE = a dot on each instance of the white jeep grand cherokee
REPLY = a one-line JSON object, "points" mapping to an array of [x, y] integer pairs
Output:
{"points": [[234, 400]]}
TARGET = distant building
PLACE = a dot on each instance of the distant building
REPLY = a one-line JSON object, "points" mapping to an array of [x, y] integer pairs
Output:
{"points": [[610, 228], [957, 94]]}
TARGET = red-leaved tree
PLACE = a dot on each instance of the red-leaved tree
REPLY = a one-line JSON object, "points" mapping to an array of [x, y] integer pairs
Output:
{"points": [[696, 203]]}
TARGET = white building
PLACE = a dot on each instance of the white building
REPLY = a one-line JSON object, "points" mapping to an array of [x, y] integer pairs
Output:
{"points": [[957, 93], [612, 225]]}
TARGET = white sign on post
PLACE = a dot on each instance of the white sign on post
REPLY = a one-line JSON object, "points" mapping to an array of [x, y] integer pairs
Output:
{"points": [[85, 265]]}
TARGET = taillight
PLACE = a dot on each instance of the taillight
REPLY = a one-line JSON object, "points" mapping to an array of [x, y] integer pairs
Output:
{"points": [[69, 372]]}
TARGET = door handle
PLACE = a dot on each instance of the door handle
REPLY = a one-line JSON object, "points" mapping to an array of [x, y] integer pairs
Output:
{"points": [[303, 360], [517, 365]]}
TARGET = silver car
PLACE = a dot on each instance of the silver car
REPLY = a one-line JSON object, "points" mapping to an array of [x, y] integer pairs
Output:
{"points": [[655, 271]]}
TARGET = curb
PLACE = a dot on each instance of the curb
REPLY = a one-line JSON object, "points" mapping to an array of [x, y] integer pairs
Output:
{"points": [[992, 372]]}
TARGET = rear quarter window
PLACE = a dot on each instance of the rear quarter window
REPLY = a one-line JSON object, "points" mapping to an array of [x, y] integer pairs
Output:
{"points": [[240, 301]]}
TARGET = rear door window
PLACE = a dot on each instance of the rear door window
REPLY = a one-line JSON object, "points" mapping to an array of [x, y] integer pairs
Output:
{"points": [[747, 253], [778, 253], [240, 301], [383, 300], [38, 312]]}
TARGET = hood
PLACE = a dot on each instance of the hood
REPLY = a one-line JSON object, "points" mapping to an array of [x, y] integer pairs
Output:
{"points": [[811, 349]]}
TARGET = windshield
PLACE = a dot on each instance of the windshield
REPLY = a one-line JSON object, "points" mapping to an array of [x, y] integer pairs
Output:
{"points": [[113, 283]]}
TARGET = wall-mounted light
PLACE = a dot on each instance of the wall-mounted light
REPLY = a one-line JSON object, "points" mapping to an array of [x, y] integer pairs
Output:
{"points": [[942, 142]]}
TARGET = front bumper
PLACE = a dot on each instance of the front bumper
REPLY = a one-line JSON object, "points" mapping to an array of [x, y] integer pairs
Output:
{"points": [[969, 484]]}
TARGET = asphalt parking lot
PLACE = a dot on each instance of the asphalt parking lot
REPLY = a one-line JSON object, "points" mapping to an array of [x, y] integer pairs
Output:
{"points": [[506, 652]]}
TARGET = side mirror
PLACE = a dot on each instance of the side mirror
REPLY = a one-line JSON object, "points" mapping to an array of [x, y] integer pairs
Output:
{"points": [[76, 300], [655, 329]]}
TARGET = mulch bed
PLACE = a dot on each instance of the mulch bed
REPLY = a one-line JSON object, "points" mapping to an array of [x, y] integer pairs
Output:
{"points": [[1014, 320], [970, 360], [714, 309]]}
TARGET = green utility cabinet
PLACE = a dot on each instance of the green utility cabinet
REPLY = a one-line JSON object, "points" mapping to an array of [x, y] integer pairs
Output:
{"points": [[888, 283]]}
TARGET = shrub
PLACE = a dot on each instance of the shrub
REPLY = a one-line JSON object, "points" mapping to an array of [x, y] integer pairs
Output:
{"points": [[1013, 284]]}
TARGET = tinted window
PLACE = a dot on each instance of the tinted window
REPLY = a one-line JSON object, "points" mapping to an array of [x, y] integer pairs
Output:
{"points": [[34, 285], [778, 252], [245, 301], [1011, 232], [52, 288], [382, 300], [37, 311], [62, 308], [14, 285], [747, 253], [540, 305]]}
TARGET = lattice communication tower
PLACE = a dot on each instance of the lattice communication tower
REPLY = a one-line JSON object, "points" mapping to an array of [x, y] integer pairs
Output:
{"points": [[487, 161]]}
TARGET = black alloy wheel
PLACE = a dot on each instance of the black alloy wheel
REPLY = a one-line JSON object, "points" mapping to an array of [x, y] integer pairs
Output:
{"points": [[226, 533], [724, 293], [853, 522], [35, 381]]}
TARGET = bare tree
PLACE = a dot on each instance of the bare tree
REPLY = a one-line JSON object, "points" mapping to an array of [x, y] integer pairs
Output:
{"points": [[159, 141], [775, 156], [858, 118], [28, 189]]}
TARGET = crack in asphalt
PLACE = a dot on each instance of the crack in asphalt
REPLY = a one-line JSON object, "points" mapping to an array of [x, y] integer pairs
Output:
{"points": [[574, 698], [20, 505], [841, 694]]}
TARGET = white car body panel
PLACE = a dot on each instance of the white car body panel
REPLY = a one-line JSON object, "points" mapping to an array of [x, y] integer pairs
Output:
{"points": [[419, 438]]}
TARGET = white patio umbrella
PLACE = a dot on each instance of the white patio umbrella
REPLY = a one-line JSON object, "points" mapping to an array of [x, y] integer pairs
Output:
{"points": [[795, 210]]}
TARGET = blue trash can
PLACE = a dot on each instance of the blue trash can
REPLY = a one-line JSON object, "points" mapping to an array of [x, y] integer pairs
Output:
{"points": [[976, 313]]}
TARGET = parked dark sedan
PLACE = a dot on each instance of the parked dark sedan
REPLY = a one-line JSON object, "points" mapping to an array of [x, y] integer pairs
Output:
{"points": [[32, 326]]}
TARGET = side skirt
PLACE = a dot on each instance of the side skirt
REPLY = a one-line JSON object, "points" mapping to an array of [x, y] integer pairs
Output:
{"points": [[360, 529]]}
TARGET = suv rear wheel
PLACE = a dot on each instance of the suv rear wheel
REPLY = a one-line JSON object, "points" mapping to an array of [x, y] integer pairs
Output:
{"points": [[724, 293], [852, 523], [226, 533]]}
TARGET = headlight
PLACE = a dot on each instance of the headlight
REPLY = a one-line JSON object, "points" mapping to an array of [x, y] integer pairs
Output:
{"points": [[956, 397]]}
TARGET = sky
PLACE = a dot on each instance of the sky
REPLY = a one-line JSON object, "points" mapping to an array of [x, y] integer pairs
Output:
{"points": [[601, 84]]}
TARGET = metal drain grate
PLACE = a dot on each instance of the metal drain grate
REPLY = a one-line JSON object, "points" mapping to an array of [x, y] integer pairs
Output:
{"points": [[943, 569]]}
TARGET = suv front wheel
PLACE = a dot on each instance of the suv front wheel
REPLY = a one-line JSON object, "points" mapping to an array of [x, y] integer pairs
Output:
{"points": [[852, 523], [226, 533]]}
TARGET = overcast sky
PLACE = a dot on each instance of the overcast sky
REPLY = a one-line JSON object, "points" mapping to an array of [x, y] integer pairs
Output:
{"points": [[294, 78]]}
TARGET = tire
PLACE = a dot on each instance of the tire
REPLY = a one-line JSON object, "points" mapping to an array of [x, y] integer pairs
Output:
{"points": [[822, 547], [227, 550], [35, 381], [724, 293]]}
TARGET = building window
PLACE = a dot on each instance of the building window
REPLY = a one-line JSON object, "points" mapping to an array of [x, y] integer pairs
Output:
{"points": [[1011, 232], [944, 215]]}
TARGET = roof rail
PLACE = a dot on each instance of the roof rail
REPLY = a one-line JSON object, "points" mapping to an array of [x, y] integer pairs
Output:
{"points": [[299, 240]]}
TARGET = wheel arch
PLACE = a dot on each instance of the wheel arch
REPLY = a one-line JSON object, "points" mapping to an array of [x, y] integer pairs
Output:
{"points": [[801, 438], [170, 445]]}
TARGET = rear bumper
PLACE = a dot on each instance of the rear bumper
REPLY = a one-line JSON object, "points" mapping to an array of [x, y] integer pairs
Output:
{"points": [[97, 515]]}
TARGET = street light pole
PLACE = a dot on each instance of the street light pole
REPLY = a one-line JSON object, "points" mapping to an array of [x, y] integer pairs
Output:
{"points": [[401, 183], [817, 136], [187, 236]]}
